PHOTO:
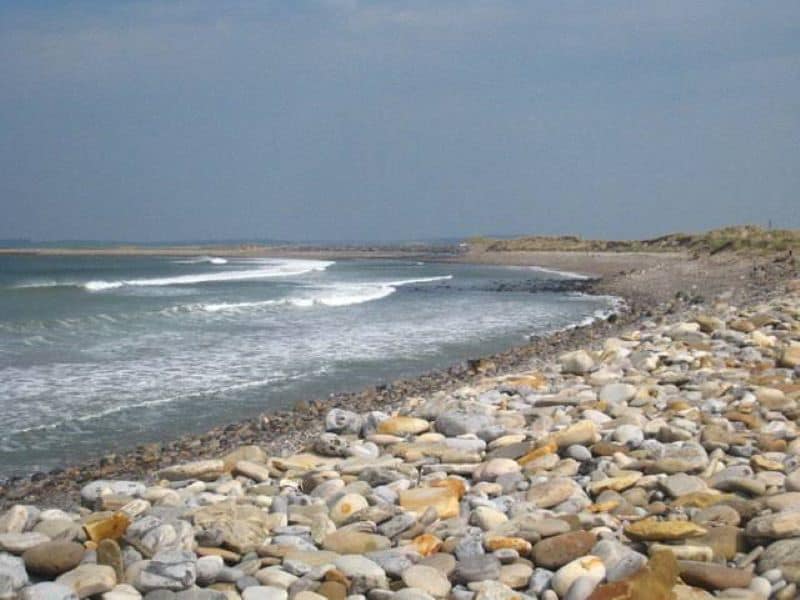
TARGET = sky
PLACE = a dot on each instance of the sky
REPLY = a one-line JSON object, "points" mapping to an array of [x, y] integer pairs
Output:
{"points": [[353, 120]]}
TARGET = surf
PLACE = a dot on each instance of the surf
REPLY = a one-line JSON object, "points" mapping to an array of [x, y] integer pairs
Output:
{"points": [[334, 296], [272, 268]]}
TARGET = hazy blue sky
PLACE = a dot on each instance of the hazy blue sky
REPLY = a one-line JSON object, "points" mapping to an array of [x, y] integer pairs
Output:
{"points": [[344, 119]]}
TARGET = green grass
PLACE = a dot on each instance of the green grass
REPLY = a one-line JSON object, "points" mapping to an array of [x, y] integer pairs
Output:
{"points": [[742, 239]]}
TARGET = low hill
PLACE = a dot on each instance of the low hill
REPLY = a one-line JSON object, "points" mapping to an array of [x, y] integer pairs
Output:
{"points": [[745, 238]]}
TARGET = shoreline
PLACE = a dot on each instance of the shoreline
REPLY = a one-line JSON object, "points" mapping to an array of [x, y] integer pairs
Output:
{"points": [[625, 276]]}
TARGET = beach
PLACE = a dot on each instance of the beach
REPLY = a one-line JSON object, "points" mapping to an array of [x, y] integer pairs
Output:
{"points": [[653, 445], [652, 285]]}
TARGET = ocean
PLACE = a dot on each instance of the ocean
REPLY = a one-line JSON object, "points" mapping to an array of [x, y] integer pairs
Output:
{"points": [[99, 354]]}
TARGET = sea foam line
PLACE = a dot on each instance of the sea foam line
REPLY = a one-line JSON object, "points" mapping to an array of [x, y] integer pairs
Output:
{"points": [[346, 294], [148, 403], [212, 260], [566, 274], [284, 268]]}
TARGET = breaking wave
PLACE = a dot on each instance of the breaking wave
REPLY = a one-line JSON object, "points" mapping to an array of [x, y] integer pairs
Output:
{"points": [[211, 260], [344, 294], [282, 268]]}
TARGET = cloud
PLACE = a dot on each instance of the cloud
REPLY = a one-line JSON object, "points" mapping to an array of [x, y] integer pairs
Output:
{"points": [[415, 117]]}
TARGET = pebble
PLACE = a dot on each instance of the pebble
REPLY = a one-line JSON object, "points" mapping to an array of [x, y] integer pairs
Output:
{"points": [[364, 574], [13, 576], [429, 580], [48, 591], [51, 559], [587, 567], [556, 551], [89, 580]]}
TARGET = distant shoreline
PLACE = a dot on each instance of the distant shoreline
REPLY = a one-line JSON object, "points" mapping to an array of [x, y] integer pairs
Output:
{"points": [[245, 251]]}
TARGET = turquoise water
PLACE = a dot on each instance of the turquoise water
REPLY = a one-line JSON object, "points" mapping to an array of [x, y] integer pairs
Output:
{"points": [[98, 354]]}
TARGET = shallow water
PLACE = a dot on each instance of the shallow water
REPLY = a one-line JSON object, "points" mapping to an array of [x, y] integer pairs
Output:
{"points": [[98, 354]]}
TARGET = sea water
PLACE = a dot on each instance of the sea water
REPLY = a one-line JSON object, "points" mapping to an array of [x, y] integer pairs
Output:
{"points": [[99, 354]]}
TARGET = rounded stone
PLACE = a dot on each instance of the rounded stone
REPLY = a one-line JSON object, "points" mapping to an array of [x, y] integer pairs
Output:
{"points": [[494, 468], [48, 591], [630, 435], [51, 559], [582, 588], [579, 453], [516, 575], [587, 566], [427, 579], [264, 592], [345, 506], [556, 551]]}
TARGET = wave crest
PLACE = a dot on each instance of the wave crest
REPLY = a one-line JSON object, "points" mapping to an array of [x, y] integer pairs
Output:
{"points": [[345, 294], [272, 268]]}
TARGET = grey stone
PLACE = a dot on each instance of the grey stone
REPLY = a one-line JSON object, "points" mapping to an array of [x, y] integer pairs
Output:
{"points": [[477, 568], [343, 421], [394, 561], [579, 453], [330, 444], [92, 491], [783, 555], [397, 525], [264, 592], [173, 570], [619, 560], [363, 573], [458, 422], [12, 576], [48, 591], [540, 581], [208, 568], [200, 594]]}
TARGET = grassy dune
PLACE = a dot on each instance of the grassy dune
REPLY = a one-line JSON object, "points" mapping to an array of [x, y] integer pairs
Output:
{"points": [[746, 238]]}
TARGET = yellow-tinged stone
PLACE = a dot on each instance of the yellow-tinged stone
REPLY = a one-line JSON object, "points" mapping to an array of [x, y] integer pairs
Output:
{"points": [[417, 450], [227, 555], [302, 462], [601, 507], [789, 357], [443, 499], [678, 405], [497, 542], [426, 544], [457, 486], [112, 527], [762, 340], [583, 433], [403, 426], [762, 463], [549, 447], [618, 484], [742, 325], [652, 530], [249, 453], [535, 381], [701, 499]]}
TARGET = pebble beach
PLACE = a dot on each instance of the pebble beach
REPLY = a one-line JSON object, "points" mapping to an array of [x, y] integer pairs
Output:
{"points": [[654, 455]]}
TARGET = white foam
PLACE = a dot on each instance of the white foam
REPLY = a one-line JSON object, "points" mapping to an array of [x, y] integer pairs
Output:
{"points": [[565, 274], [338, 295], [268, 268], [99, 286], [285, 268], [420, 280], [147, 403], [212, 260], [36, 284]]}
